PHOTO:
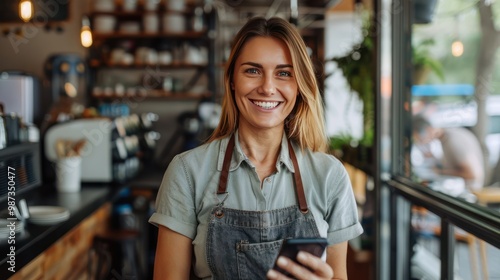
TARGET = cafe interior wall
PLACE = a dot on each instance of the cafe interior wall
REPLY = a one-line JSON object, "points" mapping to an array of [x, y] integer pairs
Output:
{"points": [[26, 47], [30, 52]]}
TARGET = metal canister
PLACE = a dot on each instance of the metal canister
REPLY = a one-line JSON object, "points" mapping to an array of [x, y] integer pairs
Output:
{"points": [[12, 126], [3, 133]]}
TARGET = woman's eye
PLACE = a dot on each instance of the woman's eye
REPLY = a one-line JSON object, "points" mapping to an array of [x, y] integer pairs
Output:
{"points": [[284, 74], [252, 71]]}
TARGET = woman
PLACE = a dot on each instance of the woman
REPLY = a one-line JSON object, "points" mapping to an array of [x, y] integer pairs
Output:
{"points": [[224, 208]]}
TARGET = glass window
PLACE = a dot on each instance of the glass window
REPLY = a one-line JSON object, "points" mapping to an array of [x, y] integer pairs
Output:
{"points": [[455, 99], [425, 244], [473, 258], [439, 147]]}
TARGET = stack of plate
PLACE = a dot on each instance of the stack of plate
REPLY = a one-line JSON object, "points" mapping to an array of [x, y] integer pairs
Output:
{"points": [[48, 215], [6, 227]]}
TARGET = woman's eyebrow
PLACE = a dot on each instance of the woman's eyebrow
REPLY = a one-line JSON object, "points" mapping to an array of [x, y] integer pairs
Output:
{"points": [[257, 65], [279, 66]]}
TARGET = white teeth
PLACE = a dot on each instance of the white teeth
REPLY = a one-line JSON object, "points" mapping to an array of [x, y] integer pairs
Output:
{"points": [[266, 105]]}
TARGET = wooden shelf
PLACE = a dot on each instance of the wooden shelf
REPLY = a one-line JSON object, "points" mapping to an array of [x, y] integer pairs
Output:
{"points": [[140, 11], [144, 35], [98, 64], [155, 94], [188, 74]]}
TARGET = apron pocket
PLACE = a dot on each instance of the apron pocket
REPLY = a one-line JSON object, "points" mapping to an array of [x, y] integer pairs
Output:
{"points": [[254, 260]]}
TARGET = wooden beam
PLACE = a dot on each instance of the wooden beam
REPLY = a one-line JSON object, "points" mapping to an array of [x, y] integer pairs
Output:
{"points": [[343, 6]]}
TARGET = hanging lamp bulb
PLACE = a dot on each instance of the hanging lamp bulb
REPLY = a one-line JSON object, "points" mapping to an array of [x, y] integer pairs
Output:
{"points": [[26, 10], [86, 33], [457, 48]]}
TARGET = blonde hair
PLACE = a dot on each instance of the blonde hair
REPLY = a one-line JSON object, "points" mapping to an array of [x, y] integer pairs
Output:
{"points": [[305, 124]]}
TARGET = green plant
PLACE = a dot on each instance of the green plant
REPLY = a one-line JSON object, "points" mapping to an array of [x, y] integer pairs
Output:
{"points": [[423, 61], [358, 67], [338, 142]]}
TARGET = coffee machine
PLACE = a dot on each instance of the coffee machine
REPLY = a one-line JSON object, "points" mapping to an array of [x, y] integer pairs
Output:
{"points": [[67, 75], [66, 80], [115, 149], [20, 158], [19, 94]]}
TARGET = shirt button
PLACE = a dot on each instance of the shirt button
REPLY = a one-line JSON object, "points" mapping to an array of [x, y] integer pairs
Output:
{"points": [[268, 180]]}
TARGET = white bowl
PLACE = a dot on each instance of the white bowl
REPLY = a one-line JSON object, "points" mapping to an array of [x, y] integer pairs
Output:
{"points": [[175, 5], [174, 23], [104, 23], [104, 5]]}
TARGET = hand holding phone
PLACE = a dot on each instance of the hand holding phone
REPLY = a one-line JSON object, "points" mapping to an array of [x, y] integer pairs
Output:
{"points": [[291, 247]]}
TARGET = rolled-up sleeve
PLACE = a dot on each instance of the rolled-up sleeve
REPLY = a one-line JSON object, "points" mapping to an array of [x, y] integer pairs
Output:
{"points": [[175, 200], [342, 215]]}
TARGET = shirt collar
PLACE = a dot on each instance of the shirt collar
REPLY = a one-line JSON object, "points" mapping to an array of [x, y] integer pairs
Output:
{"points": [[238, 156]]}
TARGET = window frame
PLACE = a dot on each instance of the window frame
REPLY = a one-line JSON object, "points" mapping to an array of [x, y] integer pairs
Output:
{"points": [[395, 192]]}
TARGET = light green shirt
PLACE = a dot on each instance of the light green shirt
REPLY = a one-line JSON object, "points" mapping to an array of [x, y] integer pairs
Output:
{"points": [[188, 192]]}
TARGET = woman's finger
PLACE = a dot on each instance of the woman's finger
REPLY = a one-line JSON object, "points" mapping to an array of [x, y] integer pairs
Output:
{"points": [[297, 271], [308, 267], [315, 264], [275, 275], [283, 263]]}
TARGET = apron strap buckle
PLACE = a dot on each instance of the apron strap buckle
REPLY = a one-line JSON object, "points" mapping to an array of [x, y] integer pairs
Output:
{"points": [[219, 213]]}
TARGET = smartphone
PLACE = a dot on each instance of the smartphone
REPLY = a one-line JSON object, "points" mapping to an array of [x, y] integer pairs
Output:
{"points": [[291, 247]]}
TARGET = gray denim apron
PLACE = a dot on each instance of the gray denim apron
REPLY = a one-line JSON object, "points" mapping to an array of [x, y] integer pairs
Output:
{"points": [[244, 244]]}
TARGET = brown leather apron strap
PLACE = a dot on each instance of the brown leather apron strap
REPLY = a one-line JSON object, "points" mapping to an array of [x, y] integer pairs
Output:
{"points": [[299, 187], [225, 166]]}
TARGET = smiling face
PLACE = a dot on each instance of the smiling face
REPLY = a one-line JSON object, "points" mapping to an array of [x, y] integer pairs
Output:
{"points": [[264, 85]]}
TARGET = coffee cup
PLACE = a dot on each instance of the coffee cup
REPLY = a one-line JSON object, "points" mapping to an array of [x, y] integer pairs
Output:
{"points": [[68, 172]]}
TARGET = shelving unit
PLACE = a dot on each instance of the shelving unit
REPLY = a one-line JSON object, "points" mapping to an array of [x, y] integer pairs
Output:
{"points": [[154, 95], [107, 64], [125, 58], [172, 35]]}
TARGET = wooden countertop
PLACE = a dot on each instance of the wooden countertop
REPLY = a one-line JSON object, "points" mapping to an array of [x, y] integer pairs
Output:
{"points": [[37, 238]]}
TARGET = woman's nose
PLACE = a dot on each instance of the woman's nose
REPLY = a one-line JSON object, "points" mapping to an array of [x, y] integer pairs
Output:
{"points": [[268, 87]]}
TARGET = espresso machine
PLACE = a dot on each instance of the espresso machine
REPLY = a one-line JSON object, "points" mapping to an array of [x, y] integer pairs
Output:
{"points": [[115, 149], [67, 76], [66, 80]]}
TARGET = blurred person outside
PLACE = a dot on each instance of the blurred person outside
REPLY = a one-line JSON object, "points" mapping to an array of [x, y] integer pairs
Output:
{"points": [[461, 151]]}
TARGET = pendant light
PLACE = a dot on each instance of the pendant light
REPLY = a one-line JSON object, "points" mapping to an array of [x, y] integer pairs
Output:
{"points": [[457, 47], [25, 10], [86, 33]]}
